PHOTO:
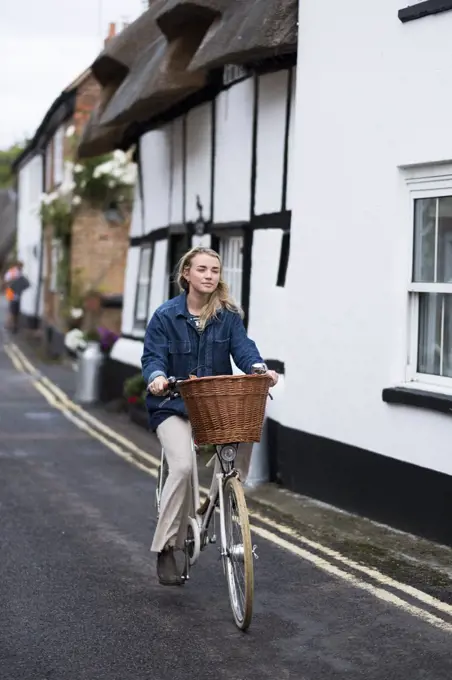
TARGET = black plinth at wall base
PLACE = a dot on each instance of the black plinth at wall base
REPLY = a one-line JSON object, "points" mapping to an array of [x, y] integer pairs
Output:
{"points": [[114, 374], [424, 9], [402, 495]]}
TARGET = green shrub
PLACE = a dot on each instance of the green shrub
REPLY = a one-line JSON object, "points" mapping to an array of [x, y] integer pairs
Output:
{"points": [[135, 389]]}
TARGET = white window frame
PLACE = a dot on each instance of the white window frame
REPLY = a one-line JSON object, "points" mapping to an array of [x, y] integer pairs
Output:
{"points": [[139, 324], [424, 182], [236, 292]]}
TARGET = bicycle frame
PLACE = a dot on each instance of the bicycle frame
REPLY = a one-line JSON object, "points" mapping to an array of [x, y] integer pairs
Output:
{"points": [[199, 524]]}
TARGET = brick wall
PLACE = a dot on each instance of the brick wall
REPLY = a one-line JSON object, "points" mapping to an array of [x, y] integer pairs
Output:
{"points": [[51, 299], [99, 252], [111, 319], [88, 95]]}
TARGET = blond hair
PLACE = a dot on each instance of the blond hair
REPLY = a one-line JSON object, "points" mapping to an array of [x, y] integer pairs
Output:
{"points": [[220, 298]]}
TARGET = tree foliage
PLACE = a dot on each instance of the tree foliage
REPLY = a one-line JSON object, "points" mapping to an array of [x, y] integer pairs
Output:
{"points": [[7, 157]]}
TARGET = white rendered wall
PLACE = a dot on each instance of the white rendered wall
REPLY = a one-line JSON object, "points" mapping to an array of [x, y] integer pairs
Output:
{"points": [[267, 312], [155, 148], [233, 153], [177, 173], [198, 161], [291, 155], [130, 290], [132, 265], [271, 129], [368, 100], [137, 226], [128, 352], [29, 231], [159, 277]]}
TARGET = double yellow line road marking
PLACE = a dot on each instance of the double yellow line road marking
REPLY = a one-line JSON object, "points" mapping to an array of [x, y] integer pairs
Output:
{"points": [[407, 598]]}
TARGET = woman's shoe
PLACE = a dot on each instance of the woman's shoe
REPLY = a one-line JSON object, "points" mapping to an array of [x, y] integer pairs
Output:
{"points": [[167, 571]]}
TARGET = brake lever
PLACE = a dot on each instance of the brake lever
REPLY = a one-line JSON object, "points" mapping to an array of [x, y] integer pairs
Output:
{"points": [[171, 392]]}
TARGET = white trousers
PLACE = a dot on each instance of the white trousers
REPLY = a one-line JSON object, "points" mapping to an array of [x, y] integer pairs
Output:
{"points": [[176, 502]]}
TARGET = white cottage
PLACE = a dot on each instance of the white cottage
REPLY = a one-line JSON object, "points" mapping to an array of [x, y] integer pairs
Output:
{"points": [[366, 422], [30, 177]]}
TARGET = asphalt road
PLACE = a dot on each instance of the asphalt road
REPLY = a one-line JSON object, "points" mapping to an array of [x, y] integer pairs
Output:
{"points": [[79, 598]]}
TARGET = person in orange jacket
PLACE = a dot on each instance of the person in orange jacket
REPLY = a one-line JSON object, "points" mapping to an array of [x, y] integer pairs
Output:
{"points": [[13, 298]]}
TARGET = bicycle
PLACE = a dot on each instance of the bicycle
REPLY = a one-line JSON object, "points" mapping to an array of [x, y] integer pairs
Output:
{"points": [[237, 551]]}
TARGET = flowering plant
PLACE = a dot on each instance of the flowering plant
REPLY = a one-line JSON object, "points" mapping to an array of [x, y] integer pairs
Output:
{"points": [[135, 389], [105, 180], [102, 181], [57, 207], [107, 339], [74, 340], [56, 210]]}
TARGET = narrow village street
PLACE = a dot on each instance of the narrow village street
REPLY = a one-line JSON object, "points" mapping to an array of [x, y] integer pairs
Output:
{"points": [[79, 596], [215, 189]]}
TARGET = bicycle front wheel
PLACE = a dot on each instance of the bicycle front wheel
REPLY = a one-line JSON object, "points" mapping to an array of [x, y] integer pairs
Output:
{"points": [[239, 553]]}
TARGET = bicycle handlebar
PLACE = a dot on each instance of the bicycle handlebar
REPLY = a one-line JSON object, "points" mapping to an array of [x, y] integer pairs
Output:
{"points": [[173, 384]]}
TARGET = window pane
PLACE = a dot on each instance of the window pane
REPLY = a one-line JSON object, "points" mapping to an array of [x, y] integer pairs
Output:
{"points": [[435, 334], [424, 240], [142, 298], [145, 264], [444, 267], [231, 253]]}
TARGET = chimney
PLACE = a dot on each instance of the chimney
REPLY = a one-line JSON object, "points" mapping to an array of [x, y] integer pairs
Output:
{"points": [[111, 32]]}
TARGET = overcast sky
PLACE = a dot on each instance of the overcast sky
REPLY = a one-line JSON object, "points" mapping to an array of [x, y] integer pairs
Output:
{"points": [[44, 45]]}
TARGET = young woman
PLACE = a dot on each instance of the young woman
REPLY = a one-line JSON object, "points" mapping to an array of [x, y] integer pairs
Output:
{"points": [[194, 333]]}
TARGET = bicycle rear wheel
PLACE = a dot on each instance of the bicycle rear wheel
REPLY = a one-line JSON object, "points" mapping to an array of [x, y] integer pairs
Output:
{"points": [[239, 553]]}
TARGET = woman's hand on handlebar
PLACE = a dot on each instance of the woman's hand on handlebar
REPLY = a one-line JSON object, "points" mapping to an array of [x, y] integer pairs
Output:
{"points": [[159, 386], [274, 377]]}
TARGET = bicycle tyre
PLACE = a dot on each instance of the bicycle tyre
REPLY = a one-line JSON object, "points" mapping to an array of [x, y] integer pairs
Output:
{"points": [[241, 599]]}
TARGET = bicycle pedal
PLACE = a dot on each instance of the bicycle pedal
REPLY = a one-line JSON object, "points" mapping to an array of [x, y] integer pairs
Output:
{"points": [[213, 539]]}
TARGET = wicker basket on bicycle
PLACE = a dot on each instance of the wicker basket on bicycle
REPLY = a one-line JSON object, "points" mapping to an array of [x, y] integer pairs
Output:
{"points": [[226, 409]]}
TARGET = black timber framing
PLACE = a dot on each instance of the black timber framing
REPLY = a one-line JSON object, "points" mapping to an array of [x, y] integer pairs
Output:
{"points": [[424, 9]]}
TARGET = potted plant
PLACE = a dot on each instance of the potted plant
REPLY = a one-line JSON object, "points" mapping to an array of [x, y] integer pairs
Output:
{"points": [[92, 335], [135, 394], [107, 339]]}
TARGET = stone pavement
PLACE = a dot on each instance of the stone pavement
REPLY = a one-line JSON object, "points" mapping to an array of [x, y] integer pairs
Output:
{"points": [[410, 559]]}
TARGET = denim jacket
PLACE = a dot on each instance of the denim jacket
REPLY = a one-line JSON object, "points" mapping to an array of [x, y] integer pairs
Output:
{"points": [[174, 347]]}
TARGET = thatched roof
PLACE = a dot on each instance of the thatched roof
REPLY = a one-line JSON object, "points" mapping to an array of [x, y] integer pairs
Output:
{"points": [[120, 53], [97, 139], [178, 16], [166, 54], [249, 30], [158, 80]]}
